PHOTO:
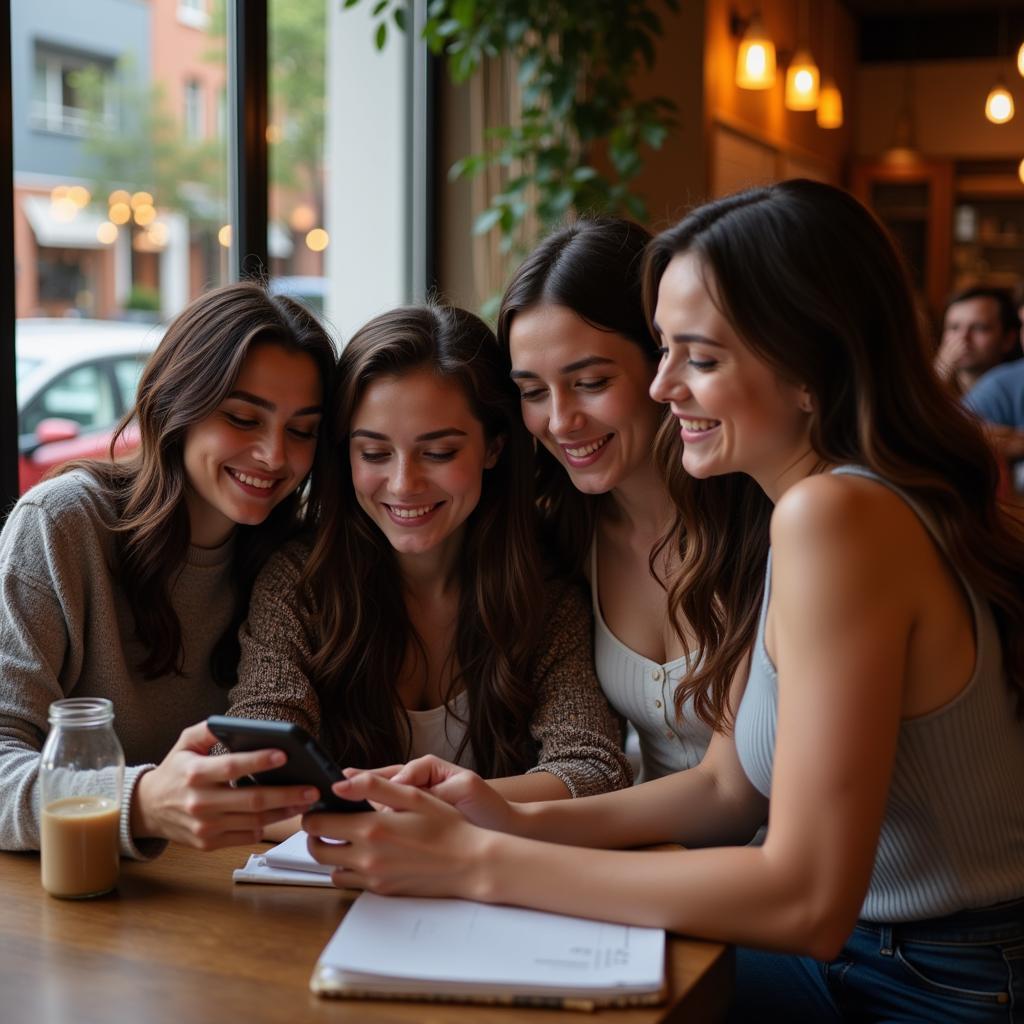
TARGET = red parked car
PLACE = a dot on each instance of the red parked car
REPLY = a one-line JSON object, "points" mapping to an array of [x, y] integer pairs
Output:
{"points": [[75, 379]]}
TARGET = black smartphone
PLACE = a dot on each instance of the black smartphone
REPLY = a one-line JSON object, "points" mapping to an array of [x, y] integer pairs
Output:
{"points": [[307, 764]]}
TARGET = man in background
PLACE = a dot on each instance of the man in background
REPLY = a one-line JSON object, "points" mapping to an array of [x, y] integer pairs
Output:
{"points": [[998, 398], [980, 330]]}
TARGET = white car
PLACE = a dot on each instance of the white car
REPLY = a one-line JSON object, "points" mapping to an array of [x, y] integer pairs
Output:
{"points": [[75, 379]]}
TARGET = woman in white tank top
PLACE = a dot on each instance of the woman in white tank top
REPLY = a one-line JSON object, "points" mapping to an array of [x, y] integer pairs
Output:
{"points": [[881, 711], [583, 359]]}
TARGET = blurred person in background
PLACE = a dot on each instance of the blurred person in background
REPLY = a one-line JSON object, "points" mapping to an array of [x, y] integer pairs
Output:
{"points": [[980, 330]]}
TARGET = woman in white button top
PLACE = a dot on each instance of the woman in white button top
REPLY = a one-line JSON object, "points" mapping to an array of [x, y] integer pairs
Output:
{"points": [[608, 467]]}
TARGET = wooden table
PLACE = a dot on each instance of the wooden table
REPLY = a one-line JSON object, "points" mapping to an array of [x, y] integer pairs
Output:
{"points": [[180, 942]]}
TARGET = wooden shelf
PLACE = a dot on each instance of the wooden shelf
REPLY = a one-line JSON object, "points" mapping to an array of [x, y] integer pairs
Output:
{"points": [[992, 243]]}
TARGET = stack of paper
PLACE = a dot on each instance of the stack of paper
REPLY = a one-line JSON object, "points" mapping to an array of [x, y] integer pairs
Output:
{"points": [[288, 863], [444, 949]]}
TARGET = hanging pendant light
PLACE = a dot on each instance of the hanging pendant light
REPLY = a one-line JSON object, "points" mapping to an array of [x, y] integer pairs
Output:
{"points": [[755, 60], [1020, 171], [802, 76], [830, 100], [830, 105], [999, 104], [802, 82], [1020, 59]]}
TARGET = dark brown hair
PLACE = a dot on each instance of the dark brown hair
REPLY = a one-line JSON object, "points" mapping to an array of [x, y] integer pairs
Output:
{"points": [[192, 371], [352, 586], [592, 267], [1009, 321], [813, 285]]}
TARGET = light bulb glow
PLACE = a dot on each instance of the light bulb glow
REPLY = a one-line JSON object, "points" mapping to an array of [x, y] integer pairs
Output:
{"points": [[1020, 171], [63, 210], [1020, 59], [145, 214], [830, 106], [120, 213], [157, 234], [106, 232], [802, 82], [318, 240], [755, 59], [303, 217], [224, 236], [999, 105]]}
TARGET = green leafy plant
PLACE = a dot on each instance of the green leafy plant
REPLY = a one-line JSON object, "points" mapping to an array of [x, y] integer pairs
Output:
{"points": [[143, 298], [146, 148], [580, 141]]}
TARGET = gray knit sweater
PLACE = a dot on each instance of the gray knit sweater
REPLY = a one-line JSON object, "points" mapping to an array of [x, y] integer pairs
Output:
{"points": [[576, 732], [66, 630]]}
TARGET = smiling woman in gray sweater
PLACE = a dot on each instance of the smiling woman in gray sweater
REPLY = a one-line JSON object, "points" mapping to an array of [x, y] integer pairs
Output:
{"points": [[128, 580]]}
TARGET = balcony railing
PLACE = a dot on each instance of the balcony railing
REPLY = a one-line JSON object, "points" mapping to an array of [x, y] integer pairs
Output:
{"points": [[52, 117]]}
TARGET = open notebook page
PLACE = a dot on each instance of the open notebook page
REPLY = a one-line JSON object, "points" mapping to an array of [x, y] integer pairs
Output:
{"points": [[458, 946]]}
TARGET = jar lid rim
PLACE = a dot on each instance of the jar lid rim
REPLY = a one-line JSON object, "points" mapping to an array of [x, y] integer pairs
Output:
{"points": [[82, 711]]}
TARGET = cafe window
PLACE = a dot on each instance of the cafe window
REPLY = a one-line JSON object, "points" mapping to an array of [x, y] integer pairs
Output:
{"points": [[128, 216]]}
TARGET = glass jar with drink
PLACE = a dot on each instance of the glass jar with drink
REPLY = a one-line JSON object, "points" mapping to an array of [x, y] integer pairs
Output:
{"points": [[81, 779]]}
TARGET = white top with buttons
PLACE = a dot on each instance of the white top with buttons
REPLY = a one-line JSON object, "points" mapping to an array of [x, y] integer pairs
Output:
{"points": [[641, 691]]}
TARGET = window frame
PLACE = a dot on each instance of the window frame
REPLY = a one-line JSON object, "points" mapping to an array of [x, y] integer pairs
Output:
{"points": [[248, 195], [247, 116], [8, 393]]}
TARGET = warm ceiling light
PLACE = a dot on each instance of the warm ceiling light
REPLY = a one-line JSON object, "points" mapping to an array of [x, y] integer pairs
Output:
{"points": [[1020, 59], [79, 195], [106, 232], [999, 104], [802, 82], [145, 213], [120, 213], [830, 105], [224, 236], [141, 199], [119, 195], [755, 61], [303, 217], [63, 210], [157, 234], [1020, 171], [317, 240]]}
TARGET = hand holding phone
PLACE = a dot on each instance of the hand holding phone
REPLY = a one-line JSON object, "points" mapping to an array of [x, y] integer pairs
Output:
{"points": [[307, 764]]}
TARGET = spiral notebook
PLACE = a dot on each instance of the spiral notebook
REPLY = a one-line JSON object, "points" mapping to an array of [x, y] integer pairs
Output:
{"points": [[461, 951]]}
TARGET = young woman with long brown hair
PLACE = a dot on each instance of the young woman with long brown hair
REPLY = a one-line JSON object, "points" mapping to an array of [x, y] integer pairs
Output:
{"points": [[129, 580], [608, 472], [880, 720], [417, 620]]}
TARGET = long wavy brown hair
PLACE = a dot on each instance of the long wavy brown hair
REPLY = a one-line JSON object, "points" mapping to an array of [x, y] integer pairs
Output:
{"points": [[192, 371], [593, 267], [352, 588], [812, 283]]}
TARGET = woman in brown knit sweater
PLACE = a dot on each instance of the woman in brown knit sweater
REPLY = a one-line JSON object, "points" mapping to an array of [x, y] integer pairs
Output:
{"points": [[416, 620]]}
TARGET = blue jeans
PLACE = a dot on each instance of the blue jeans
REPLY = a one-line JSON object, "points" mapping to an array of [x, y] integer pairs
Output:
{"points": [[968, 967]]}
